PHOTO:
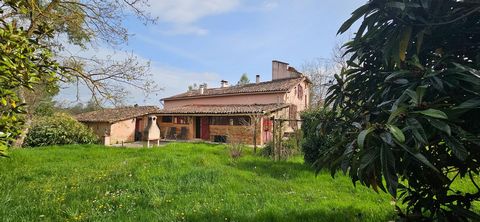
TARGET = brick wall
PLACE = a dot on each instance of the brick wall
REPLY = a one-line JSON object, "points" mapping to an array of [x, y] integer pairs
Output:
{"points": [[243, 134]]}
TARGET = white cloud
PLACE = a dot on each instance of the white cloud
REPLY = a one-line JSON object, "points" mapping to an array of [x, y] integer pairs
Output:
{"points": [[184, 53], [189, 11], [185, 30], [184, 14], [176, 80], [270, 5]]}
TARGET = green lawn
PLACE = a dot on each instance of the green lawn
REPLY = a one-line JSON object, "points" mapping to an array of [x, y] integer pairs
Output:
{"points": [[179, 182]]}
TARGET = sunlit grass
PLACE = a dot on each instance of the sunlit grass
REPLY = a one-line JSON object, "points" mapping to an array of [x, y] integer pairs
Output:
{"points": [[179, 182]]}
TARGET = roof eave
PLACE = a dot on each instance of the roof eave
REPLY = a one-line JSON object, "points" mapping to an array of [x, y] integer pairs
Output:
{"points": [[223, 95]]}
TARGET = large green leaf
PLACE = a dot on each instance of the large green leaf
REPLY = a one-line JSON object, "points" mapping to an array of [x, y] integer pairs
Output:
{"points": [[387, 160], [362, 135], [355, 16], [419, 157], [433, 113], [395, 113], [469, 104], [396, 132], [417, 130], [404, 42], [441, 125]]}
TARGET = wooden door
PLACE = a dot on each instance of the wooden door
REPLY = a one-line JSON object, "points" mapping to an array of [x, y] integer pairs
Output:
{"points": [[198, 128], [138, 129], [205, 129]]}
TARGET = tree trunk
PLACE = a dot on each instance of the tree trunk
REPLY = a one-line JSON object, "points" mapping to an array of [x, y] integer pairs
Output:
{"points": [[28, 121]]}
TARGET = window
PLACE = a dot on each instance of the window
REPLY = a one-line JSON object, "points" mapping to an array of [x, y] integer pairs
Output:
{"points": [[166, 119], [181, 120], [300, 92], [220, 121], [230, 121]]}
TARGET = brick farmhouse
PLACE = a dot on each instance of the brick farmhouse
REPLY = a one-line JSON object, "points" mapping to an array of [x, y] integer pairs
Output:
{"points": [[239, 113]]}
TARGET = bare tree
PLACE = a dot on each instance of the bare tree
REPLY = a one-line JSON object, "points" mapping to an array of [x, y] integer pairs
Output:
{"points": [[84, 23], [321, 72]]}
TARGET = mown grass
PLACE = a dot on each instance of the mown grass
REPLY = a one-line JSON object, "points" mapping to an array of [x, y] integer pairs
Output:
{"points": [[179, 182]]}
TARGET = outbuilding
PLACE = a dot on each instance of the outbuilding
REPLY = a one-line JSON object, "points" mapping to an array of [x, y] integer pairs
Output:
{"points": [[123, 125]]}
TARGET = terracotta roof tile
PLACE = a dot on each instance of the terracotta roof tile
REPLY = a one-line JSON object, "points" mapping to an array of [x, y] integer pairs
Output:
{"points": [[281, 85], [116, 114], [224, 109]]}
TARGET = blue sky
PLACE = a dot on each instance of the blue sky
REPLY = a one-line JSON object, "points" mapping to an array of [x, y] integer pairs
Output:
{"points": [[210, 40]]}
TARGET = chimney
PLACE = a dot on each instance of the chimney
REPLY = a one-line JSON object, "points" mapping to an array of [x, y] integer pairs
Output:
{"points": [[201, 89], [224, 83], [257, 79], [279, 70]]}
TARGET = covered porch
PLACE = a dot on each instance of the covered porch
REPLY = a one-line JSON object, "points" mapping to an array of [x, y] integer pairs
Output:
{"points": [[247, 124]]}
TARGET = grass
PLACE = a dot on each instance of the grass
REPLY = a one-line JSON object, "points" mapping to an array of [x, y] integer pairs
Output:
{"points": [[179, 182]]}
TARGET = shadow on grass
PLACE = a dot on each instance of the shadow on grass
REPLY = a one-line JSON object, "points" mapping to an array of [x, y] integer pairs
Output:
{"points": [[279, 170], [330, 215]]}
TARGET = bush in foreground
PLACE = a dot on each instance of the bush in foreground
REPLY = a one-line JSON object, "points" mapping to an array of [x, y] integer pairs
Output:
{"points": [[408, 106], [59, 129]]}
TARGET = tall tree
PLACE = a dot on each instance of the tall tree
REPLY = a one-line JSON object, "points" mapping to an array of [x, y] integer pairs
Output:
{"points": [[243, 80], [407, 108], [83, 23], [24, 62]]}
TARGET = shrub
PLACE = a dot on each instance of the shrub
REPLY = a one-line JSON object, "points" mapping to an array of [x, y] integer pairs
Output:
{"points": [[290, 147], [409, 106], [59, 129], [235, 150], [267, 149], [314, 141]]}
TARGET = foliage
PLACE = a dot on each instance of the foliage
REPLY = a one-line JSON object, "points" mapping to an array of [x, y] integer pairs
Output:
{"points": [[24, 62], [193, 181], [267, 149], [59, 129], [314, 142], [293, 142], [408, 106], [289, 147], [235, 150], [81, 107], [243, 80]]}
